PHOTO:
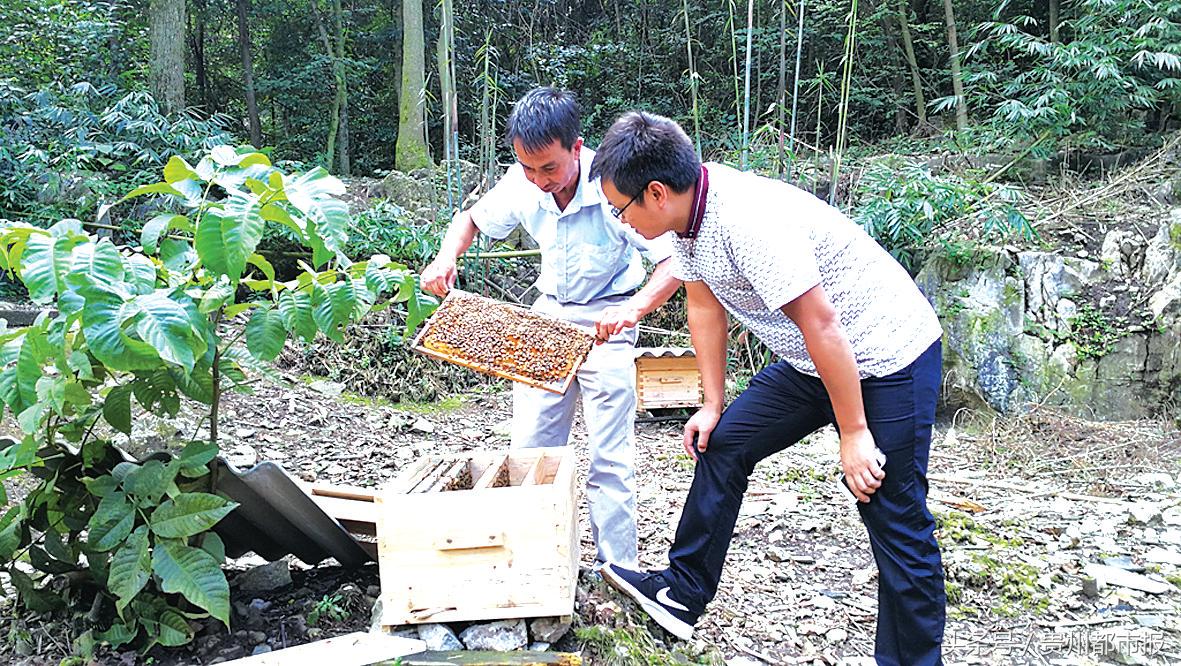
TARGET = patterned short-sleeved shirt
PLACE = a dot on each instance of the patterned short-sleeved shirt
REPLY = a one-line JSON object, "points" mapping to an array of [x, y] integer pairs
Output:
{"points": [[763, 243]]}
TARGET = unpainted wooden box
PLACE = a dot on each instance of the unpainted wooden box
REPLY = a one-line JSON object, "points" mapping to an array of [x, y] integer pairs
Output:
{"points": [[484, 553], [667, 377]]}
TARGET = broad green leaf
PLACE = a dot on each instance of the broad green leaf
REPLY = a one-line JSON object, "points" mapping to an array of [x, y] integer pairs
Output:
{"points": [[225, 156], [296, 308], [156, 389], [79, 362], [232, 311], [314, 194], [100, 261], [10, 533], [333, 307], [149, 481], [196, 384], [101, 486], [38, 600], [227, 237], [76, 395], [154, 188], [177, 169], [260, 262], [131, 568], [418, 308], [35, 351], [189, 514], [44, 563], [212, 544], [197, 453], [275, 212], [44, 263], [265, 334], [163, 323], [111, 523], [156, 227], [177, 255], [195, 574], [51, 391], [140, 273], [118, 635], [216, 295], [117, 408], [174, 629], [31, 420], [102, 324]]}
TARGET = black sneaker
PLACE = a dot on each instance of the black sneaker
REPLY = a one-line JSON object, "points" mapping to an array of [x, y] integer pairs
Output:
{"points": [[652, 593]]}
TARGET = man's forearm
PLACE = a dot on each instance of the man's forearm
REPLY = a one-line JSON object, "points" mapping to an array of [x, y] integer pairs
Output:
{"points": [[660, 287], [708, 326], [459, 237], [833, 355]]}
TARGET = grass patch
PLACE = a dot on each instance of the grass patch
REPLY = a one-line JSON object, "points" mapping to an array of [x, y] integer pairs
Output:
{"points": [[449, 404]]}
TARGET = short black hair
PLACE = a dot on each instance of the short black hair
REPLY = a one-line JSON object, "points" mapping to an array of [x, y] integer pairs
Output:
{"points": [[542, 116], [642, 147]]}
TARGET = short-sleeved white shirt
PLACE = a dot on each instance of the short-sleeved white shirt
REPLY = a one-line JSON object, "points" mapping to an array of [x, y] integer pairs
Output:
{"points": [[585, 252], [763, 243]]}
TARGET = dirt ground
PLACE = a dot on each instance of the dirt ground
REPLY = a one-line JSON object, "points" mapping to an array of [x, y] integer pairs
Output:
{"points": [[1028, 507]]}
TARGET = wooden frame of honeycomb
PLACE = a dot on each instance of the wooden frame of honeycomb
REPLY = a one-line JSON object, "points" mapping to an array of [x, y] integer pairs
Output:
{"points": [[503, 340]]}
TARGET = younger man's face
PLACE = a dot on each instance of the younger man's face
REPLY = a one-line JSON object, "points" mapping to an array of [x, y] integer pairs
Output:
{"points": [[645, 214], [553, 168]]}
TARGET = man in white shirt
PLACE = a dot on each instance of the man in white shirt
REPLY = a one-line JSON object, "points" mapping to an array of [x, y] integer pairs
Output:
{"points": [[860, 348], [591, 274]]}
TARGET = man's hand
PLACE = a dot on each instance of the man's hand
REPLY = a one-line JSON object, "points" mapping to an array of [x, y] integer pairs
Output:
{"points": [[439, 276], [700, 425], [616, 319], [862, 472]]}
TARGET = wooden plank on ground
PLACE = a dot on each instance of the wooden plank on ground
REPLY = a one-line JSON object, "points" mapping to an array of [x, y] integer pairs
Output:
{"points": [[355, 649], [477, 658], [343, 492], [489, 475]]}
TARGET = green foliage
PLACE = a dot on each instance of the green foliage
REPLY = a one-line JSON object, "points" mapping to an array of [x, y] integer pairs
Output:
{"points": [[387, 228], [137, 330], [1092, 332], [1121, 58], [64, 149], [329, 607], [904, 206]]}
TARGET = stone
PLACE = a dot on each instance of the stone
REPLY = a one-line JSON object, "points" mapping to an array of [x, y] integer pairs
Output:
{"points": [[1163, 556], [439, 637], [260, 649], [1158, 480], [502, 635], [503, 429], [1144, 513], [1091, 587], [549, 629], [1122, 252], [1129, 645], [423, 425], [256, 637], [265, 578], [242, 456], [330, 389], [1128, 579], [836, 635]]}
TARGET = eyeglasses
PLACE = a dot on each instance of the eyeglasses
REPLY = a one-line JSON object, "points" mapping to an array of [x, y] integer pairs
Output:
{"points": [[618, 212]]}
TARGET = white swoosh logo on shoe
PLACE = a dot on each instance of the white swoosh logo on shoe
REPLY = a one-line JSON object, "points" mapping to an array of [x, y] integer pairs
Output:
{"points": [[662, 597]]}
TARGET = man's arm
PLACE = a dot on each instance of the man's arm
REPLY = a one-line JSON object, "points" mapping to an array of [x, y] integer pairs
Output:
{"points": [[660, 287], [439, 276], [833, 355], [708, 326]]}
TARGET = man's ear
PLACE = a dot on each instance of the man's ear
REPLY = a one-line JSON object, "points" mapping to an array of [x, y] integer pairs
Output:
{"points": [[658, 192], [577, 147]]}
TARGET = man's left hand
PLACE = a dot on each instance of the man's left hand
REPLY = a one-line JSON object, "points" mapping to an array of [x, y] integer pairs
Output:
{"points": [[615, 320]]}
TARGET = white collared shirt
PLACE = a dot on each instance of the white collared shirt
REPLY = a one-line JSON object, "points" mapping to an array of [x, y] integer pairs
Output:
{"points": [[585, 252], [763, 243]]}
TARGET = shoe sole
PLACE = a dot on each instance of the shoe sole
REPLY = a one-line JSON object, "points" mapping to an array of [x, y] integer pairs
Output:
{"points": [[654, 610]]}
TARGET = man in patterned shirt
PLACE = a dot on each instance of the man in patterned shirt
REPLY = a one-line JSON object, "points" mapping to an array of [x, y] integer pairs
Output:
{"points": [[860, 348]]}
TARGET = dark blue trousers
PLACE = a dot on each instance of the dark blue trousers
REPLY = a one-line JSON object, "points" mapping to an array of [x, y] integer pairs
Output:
{"points": [[781, 407]]}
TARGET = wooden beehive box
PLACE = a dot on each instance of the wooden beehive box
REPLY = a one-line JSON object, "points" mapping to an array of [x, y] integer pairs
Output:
{"points": [[505, 548], [667, 377]]}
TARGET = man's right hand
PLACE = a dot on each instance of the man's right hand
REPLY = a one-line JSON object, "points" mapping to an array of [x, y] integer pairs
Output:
{"points": [[439, 277]]}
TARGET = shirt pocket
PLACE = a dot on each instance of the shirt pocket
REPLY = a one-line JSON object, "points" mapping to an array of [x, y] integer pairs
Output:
{"points": [[596, 258]]}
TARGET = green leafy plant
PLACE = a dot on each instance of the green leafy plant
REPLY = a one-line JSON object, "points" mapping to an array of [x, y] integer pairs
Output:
{"points": [[905, 206], [139, 330], [1092, 332], [331, 607]]}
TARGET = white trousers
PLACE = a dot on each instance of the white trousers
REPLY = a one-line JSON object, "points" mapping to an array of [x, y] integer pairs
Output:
{"points": [[606, 383]]}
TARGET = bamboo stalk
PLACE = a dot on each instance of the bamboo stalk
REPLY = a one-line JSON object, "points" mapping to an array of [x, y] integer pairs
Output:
{"points": [[750, 20]]}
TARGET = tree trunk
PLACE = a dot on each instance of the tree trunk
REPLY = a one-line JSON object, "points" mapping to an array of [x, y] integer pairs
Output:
{"points": [[957, 81], [895, 78], [1054, 21], [781, 95], [248, 72], [334, 117], [197, 46], [166, 28], [342, 90], [411, 150], [916, 81]]}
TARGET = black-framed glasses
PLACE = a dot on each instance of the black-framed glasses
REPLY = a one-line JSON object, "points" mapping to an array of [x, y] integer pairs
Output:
{"points": [[618, 212]]}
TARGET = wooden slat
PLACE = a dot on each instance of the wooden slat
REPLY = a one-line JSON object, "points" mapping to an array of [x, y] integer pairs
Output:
{"points": [[355, 649], [535, 469], [341, 491], [490, 472]]}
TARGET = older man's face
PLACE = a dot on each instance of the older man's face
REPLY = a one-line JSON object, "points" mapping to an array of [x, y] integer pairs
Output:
{"points": [[553, 168]]}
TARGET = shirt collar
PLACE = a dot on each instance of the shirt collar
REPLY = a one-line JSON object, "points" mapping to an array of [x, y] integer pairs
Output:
{"points": [[589, 193], [697, 213]]}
